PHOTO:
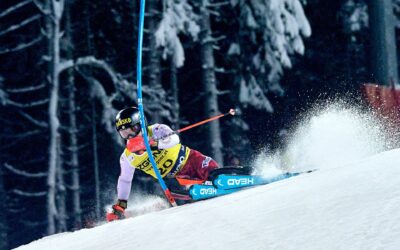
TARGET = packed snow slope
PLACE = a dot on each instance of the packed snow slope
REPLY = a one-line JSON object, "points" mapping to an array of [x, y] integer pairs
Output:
{"points": [[355, 206], [351, 202]]}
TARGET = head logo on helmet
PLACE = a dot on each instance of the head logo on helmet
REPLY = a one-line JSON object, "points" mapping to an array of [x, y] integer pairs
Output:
{"points": [[122, 122]]}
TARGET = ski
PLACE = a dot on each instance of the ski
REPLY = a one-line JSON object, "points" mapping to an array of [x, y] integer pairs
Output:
{"points": [[239, 181], [202, 191], [226, 184]]}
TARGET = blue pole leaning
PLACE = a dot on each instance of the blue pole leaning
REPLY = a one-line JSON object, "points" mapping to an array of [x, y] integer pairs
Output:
{"points": [[140, 106]]}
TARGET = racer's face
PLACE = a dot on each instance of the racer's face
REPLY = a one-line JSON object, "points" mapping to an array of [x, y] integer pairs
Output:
{"points": [[130, 132]]}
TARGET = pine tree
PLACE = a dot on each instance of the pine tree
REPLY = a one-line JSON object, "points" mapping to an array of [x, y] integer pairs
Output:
{"points": [[209, 82], [269, 32], [23, 100], [153, 65], [178, 17]]}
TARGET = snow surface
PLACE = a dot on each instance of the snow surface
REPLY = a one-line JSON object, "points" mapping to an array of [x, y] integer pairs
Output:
{"points": [[353, 204]]}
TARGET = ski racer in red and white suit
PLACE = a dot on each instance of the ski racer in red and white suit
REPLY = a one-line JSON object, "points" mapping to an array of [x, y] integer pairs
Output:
{"points": [[173, 159]]}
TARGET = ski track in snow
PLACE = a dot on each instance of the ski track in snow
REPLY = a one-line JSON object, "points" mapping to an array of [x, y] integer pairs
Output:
{"points": [[355, 206]]}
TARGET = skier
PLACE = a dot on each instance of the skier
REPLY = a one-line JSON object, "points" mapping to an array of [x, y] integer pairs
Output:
{"points": [[174, 160]]}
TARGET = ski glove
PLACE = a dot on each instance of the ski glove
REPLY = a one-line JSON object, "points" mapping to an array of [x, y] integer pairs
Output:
{"points": [[136, 144], [117, 211]]}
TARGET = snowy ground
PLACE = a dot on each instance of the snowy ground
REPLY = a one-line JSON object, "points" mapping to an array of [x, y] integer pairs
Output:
{"points": [[352, 204], [351, 207]]}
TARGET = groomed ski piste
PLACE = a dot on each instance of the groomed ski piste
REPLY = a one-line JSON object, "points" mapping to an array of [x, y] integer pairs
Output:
{"points": [[351, 202]]}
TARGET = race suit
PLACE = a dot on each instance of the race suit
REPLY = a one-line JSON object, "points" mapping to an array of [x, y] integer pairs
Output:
{"points": [[173, 160]]}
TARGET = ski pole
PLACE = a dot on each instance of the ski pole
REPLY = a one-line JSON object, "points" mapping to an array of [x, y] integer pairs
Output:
{"points": [[167, 193], [230, 112]]}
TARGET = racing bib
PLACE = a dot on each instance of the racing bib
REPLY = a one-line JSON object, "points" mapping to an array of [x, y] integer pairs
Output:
{"points": [[168, 160]]}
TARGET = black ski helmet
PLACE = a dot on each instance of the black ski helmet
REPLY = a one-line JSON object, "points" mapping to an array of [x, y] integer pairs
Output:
{"points": [[127, 118]]}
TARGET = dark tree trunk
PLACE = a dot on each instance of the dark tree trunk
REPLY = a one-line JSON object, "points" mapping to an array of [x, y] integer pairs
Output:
{"points": [[174, 94], [53, 22], [154, 64], [95, 162], [73, 138], [3, 228], [383, 43], [210, 84]]}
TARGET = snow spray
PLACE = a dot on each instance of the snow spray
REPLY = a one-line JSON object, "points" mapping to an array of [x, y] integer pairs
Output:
{"points": [[143, 204], [330, 135]]}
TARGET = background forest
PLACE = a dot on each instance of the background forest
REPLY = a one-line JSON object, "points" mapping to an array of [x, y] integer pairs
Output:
{"points": [[67, 67]]}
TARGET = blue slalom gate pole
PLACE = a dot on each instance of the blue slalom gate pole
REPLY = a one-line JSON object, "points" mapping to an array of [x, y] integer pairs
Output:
{"points": [[140, 106]]}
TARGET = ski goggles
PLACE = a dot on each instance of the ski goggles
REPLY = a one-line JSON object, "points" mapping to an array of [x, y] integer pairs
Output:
{"points": [[129, 132]]}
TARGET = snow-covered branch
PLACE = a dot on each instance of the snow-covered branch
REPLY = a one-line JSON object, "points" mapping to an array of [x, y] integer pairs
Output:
{"points": [[178, 18], [29, 194], [89, 61], [64, 65], [77, 148], [223, 92], [14, 210], [98, 91], [22, 46], [72, 187], [27, 89], [28, 105], [224, 70], [30, 132], [208, 39], [252, 94], [24, 173], [213, 12], [15, 7], [34, 224], [21, 24], [68, 129], [218, 5], [36, 122]]}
